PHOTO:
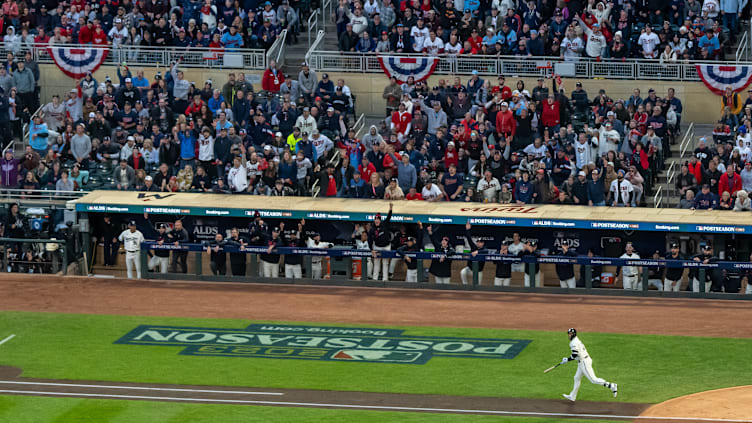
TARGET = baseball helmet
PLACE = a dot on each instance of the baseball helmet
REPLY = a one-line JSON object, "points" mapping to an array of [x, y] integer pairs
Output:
{"points": [[572, 332]]}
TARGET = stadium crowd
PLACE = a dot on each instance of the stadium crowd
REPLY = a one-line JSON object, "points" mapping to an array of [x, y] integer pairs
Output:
{"points": [[650, 29]]}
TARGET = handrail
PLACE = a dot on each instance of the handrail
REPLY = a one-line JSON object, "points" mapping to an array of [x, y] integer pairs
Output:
{"points": [[658, 197], [313, 25], [688, 136], [10, 143], [312, 48], [276, 51], [670, 173], [326, 8], [742, 48], [359, 125]]}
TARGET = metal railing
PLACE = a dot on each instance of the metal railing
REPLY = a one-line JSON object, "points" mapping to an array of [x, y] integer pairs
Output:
{"points": [[313, 26], [335, 61], [192, 57], [742, 48], [277, 51], [688, 137], [48, 260], [658, 197], [40, 195], [359, 125], [312, 48], [326, 11], [670, 175]]}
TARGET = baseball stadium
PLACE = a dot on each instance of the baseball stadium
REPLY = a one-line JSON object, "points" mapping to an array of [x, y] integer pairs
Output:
{"points": [[376, 211]]}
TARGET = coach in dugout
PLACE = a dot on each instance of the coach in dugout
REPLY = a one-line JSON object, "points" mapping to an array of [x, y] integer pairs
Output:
{"points": [[179, 236]]}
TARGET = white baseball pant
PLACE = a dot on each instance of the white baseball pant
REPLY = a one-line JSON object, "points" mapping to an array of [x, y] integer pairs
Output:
{"points": [[133, 261], [271, 270], [748, 291], [293, 271], [381, 264], [412, 275], [502, 281], [537, 279], [669, 285], [631, 282], [161, 262], [657, 283], [585, 367], [696, 285], [466, 274], [568, 283], [316, 270], [441, 280]]}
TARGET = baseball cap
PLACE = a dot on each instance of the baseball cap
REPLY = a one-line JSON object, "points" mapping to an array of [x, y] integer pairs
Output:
{"points": [[505, 242], [621, 172], [278, 134], [582, 173], [162, 226], [474, 72], [132, 223], [674, 245], [267, 147], [564, 242], [92, 114], [579, 84], [131, 138], [276, 229], [504, 104], [326, 75], [330, 109], [707, 247]]}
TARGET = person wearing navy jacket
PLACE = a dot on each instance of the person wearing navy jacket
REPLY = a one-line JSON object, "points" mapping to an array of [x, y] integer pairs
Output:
{"points": [[269, 261], [413, 245], [380, 239], [565, 271], [441, 268], [476, 247]]}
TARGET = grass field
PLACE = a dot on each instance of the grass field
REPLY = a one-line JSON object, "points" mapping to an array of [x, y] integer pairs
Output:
{"points": [[649, 369], [19, 409]]}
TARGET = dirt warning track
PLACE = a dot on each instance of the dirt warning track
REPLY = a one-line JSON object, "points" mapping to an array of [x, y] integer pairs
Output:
{"points": [[381, 306]]}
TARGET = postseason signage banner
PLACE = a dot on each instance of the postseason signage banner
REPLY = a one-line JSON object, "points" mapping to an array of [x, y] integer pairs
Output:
{"points": [[514, 216], [322, 343]]}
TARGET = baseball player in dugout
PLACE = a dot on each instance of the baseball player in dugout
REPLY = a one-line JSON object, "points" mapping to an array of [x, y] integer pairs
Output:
{"points": [[673, 277], [565, 271], [132, 239], [476, 247], [584, 366], [161, 258], [531, 249], [630, 274], [503, 276]]}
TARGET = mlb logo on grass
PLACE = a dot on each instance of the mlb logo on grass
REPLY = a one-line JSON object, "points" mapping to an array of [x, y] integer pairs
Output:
{"points": [[339, 344]]}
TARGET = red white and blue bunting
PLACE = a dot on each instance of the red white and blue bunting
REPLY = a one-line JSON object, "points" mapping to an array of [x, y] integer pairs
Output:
{"points": [[75, 61], [718, 77], [403, 67]]}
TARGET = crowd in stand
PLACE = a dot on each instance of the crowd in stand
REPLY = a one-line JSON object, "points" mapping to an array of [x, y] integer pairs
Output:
{"points": [[216, 24], [614, 29], [473, 141]]}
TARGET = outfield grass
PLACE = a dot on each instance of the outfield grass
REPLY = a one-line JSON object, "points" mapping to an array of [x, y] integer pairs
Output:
{"points": [[23, 409], [648, 368]]}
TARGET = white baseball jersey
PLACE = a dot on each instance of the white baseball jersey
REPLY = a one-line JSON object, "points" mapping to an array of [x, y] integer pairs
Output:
{"points": [[131, 240], [311, 243], [433, 47], [205, 148], [630, 270], [117, 36], [453, 50], [579, 352], [419, 35]]}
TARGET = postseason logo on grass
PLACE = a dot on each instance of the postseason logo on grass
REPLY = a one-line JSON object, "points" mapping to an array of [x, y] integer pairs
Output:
{"points": [[367, 345]]}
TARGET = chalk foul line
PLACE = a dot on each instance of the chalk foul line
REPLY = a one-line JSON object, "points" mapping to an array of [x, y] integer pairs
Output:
{"points": [[137, 388], [352, 406], [7, 339]]}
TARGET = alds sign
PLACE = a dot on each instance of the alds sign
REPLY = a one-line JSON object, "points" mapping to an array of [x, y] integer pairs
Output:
{"points": [[320, 343]]}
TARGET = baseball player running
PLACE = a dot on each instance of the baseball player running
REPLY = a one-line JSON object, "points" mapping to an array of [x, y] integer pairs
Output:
{"points": [[584, 366]]}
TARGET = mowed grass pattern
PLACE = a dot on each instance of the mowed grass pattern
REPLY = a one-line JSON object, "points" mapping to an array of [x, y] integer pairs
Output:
{"points": [[649, 369]]}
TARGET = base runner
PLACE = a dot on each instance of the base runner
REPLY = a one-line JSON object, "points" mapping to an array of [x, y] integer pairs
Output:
{"points": [[584, 366]]}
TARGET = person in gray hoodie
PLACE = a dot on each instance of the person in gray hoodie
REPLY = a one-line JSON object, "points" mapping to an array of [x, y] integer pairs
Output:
{"points": [[25, 83], [372, 138], [308, 81], [6, 81], [407, 176]]}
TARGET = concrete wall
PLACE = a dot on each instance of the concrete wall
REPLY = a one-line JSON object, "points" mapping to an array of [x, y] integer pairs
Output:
{"points": [[700, 105]]}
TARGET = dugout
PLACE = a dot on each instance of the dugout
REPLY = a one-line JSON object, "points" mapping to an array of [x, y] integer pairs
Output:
{"points": [[604, 229]]}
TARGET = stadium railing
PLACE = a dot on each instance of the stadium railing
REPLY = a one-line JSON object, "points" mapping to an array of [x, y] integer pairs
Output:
{"points": [[345, 256], [335, 61], [51, 255], [192, 57], [277, 51], [313, 47], [742, 48], [313, 26]]}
